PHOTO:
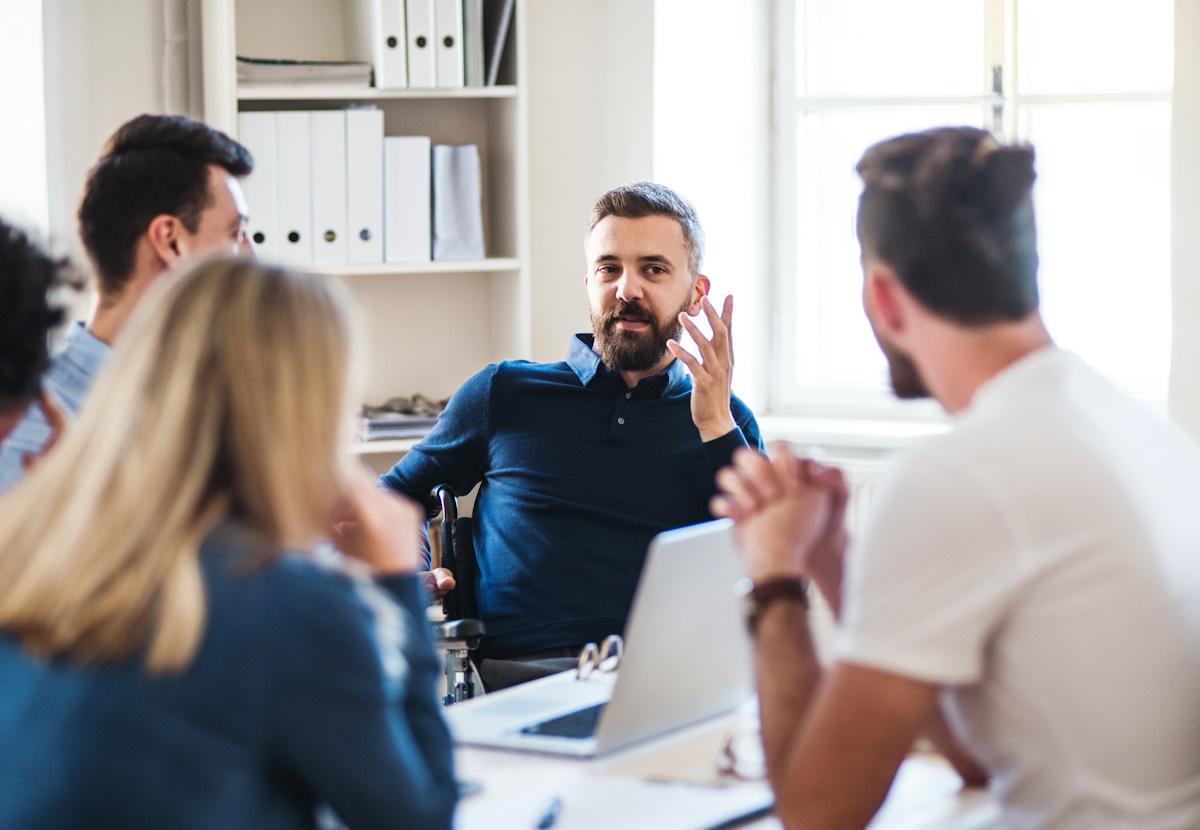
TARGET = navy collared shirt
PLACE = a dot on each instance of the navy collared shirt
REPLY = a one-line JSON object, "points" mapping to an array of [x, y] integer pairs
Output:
{"points": [[577, 474]]}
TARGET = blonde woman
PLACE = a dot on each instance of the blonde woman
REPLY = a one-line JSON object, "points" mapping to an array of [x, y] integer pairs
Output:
{"points": [[178, 648]]}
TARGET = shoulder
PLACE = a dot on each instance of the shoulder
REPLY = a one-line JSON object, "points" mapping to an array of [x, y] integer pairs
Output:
{"points": [[278, 598]]}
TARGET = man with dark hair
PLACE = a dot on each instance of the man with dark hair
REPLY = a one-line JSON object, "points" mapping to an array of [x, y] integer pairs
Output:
{"points": [[29, 278], [580, 463], [165, 187], [1033, 571]]}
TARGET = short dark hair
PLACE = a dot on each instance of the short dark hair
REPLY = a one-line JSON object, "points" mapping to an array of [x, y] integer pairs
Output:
{"points": [[951, 211], [29, 278], [152, 165], [634, 201]]}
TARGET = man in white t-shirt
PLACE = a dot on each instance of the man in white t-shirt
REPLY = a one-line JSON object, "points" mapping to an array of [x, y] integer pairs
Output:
{"points": [[1036, 570]]}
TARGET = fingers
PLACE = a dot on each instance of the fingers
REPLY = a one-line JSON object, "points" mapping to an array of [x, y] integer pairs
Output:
{"points": [[718, 347], [55, 417], [747, 485], [685, 357]]}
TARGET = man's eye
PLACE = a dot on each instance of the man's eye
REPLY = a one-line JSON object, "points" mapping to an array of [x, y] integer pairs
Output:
{"points": [[656, 270]]}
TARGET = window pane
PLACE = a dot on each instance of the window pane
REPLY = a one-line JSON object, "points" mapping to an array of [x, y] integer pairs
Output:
{"points": [[1081, 46], [833, 342], [884, 47], [1103, 210]]}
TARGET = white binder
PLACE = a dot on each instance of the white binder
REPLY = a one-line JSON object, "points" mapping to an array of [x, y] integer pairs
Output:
{"points": [[406, 199], [293, 187], [328, 186], [364, 186], [256, 130], [457, 203], [448, 27], [476, 66], [422, 50], [378, 34]]}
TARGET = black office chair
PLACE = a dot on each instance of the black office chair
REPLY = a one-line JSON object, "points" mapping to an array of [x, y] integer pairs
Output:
{"points": [[460, 631]]}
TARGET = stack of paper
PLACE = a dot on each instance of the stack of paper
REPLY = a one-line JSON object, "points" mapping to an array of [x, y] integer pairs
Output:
{"points": [[270, 71], [384, 427], [399, 418]]}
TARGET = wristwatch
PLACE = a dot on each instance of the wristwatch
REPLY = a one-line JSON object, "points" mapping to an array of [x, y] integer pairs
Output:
{"points": [[756, 596]]}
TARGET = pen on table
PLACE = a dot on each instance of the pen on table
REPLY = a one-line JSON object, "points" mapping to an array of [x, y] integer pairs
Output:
{"points": [[549, 814]]}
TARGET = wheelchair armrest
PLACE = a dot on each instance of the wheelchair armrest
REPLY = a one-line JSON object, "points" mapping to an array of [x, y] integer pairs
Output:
{"points": [[467, 630]]}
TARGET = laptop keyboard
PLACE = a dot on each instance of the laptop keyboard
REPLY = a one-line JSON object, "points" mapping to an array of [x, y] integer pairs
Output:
{"points": [[578, 724]]}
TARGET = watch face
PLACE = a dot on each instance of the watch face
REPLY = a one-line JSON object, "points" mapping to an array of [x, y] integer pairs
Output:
{"points": [[744, 590]]}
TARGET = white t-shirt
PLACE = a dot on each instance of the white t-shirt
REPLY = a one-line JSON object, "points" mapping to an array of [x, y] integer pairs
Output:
{"points": [[1042, 563]]}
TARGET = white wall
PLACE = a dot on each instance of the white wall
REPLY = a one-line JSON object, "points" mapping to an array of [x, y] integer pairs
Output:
{"points": [[711, 143], [23, 199]]}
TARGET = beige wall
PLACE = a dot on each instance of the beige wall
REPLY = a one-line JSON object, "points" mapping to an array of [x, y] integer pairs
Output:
{"points": [[103, 66], [591, 108], [1185, 219]]}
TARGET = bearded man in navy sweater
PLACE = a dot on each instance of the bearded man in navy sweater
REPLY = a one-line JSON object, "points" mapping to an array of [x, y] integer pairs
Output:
{"points": [[580, 463]]}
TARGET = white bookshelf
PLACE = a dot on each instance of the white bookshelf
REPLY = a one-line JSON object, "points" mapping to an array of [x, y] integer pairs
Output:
{"points": [[443, 321], [315, 92], [468, 266], [397, 446]]}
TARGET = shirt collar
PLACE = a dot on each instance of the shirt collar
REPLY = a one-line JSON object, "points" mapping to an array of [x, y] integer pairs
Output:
{"points": [[85, 350], [587, 366]]}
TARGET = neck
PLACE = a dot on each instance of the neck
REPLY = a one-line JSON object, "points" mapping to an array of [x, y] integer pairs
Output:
{"points": [[632, 379], [956, 360], [110, 313]]}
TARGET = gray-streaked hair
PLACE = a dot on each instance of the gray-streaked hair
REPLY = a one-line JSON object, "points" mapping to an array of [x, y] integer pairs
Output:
{"points": [[634, 201]]}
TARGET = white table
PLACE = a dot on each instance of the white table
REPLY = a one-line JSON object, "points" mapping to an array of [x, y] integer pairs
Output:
{"points": [[614, 791]]}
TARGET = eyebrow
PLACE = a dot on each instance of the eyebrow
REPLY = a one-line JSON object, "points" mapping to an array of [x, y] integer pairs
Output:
{"points": [[655, 258]]}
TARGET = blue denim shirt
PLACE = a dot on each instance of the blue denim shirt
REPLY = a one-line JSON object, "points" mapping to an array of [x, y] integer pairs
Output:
{"points": [[69, 379]]}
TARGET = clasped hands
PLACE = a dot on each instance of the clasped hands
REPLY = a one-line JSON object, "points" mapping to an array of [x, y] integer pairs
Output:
{"points": [[789, 515]]}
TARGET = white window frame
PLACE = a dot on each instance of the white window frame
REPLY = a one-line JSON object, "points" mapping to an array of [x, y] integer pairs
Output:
{"points": [[787, 397]]}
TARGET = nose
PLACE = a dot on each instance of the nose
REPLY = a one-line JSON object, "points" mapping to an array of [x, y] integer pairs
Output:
{"points": [[246, 245], [629, 287]]}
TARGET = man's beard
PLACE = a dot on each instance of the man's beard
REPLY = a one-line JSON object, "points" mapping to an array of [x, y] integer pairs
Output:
{"points": [[634, 351], [906, 379]]}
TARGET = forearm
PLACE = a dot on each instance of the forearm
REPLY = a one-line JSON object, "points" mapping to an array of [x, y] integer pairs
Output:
{"points": [[788, 672]]}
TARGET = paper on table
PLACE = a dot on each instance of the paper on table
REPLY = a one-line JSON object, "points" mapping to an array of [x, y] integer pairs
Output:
{"points": [[690, 762], [604, 802]]}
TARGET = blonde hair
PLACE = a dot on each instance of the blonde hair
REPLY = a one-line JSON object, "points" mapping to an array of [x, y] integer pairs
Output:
{"points": [[226, 394]]}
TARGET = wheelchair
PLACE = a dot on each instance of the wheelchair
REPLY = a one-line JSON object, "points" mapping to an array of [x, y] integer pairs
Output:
{"points": [[460, 630]]}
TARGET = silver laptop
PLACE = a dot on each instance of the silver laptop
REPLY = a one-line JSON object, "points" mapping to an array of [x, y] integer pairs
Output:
{"points": [[687, 657]]}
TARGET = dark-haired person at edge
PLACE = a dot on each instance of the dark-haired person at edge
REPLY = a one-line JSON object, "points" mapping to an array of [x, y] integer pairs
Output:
{"points": [[164, 188], [29, 278], [1033, 572], [180, 645], [580, 463]]}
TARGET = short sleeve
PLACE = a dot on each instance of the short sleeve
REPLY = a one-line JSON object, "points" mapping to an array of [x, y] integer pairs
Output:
{"points": [[941, 560]]}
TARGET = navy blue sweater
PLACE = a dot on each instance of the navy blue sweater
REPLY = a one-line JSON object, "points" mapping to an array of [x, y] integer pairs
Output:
{"points": [[577, 474], [300, 695]]}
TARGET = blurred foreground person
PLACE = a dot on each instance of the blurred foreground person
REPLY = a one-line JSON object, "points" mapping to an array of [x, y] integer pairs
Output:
{"points": [[1035, 568], [29, 278], [179, 646]]}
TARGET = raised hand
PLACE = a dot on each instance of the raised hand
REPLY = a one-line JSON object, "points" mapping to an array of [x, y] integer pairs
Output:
{"points": [[712, 372], [378, 527]]}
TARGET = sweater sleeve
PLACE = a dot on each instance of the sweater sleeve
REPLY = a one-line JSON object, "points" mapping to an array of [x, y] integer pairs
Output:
{"points": [[719, 451], [455, 452], [354, 712]]}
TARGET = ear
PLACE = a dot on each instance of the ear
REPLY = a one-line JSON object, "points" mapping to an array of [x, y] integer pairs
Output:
{"points": [[883, 299], [164, 235], [700, 286]]}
